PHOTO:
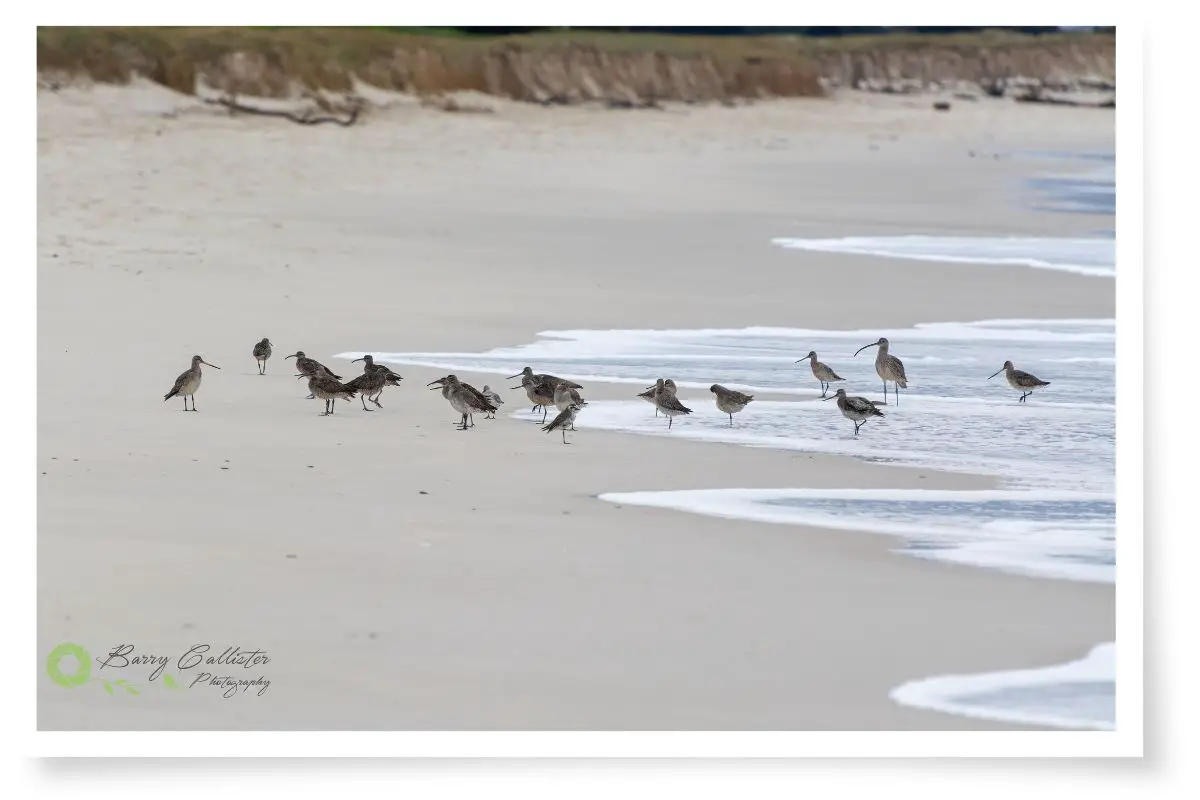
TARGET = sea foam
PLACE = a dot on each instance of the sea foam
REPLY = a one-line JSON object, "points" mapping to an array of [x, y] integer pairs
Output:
{"points": [[1083, 256], [1078, 694], [1053, 518]]}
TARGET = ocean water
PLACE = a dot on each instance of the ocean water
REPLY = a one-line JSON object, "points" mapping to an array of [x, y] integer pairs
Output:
{"points": [[1052, 518], [1084, 256], [1078, 694], [1040, 533], [1088, 188], [952, 417]]}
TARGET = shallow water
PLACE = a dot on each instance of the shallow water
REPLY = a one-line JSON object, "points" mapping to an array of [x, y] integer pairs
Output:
{"points": [[1085, 256], [1054, 518], [1079, 694], [1089, 188], [1055, 454], [952, 417]]}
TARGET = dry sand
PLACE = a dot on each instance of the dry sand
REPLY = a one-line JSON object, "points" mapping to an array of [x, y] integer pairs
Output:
{"points": [[403, 575]]}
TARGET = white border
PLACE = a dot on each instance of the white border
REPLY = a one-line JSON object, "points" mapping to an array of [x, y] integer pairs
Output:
{"points": [[1127, 740]]}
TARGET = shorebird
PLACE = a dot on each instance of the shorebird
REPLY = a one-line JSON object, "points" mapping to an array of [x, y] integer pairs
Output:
{"points": [[329, 389], [371, 382], [492, 398], [648, 395], [308, 367], [261, 352], [730, 401], [821, 372], [856, 409], [540, 393], [1017, 379], [564, 420], [482, 402], [187, 383], [544, 378], [463, 398], [565, 397], [887, 367], [666, 402], [390, 378], [445, 389], [384, 378]]}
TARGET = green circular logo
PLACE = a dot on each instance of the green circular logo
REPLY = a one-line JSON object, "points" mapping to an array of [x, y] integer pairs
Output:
{"points": [[83, 671]]}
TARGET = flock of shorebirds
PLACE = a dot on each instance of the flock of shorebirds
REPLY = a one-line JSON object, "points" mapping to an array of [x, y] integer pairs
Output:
{"points": [[544, 390]]}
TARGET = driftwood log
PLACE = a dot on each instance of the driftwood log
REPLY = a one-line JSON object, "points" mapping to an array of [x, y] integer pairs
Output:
{"points": [[306, 117], [1037, 96]]}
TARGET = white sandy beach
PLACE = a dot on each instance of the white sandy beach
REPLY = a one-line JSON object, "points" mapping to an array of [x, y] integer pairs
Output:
{"points": [[403, 575]]}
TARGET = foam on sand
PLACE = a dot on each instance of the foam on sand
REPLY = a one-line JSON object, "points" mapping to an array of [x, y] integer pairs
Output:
{"points": [[1095, 257], [1078, 694], [1060, 534]]}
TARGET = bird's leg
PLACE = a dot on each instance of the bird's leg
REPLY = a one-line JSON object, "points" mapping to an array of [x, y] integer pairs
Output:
{"points": [[564, 433], [731, 420], [897, 394], [193, 402], [824, 388], [670, 421], [544, 411], [856, 427], [885, 393]]}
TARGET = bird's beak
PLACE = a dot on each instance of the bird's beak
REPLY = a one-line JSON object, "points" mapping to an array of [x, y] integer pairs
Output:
{"points": [[994, 374], [865, 346], [214, 366], [358, 359], [293, 355], [798, 360], [519, 374], [434, 383]]}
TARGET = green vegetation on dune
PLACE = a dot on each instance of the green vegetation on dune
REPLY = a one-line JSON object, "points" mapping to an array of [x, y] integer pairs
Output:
{"points": [[548, 65]]}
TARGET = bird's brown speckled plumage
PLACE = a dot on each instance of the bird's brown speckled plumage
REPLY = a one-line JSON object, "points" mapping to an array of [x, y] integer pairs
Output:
{"points": [[887, 367], [261, 352], [188, 382], [856, 409], [730, 401], [822, 372], [1020, 380], [564, 420]]}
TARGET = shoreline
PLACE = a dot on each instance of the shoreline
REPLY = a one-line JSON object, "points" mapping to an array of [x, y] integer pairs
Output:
{"points": [[531, 618]]}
